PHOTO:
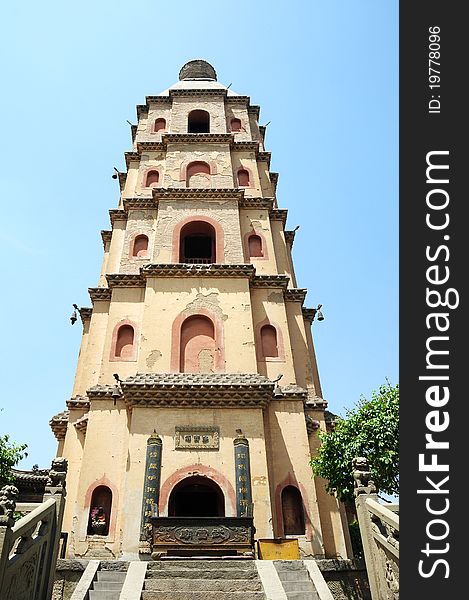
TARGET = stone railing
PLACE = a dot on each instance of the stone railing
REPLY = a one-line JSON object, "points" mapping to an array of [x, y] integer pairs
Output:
{"points": [[379, 529], [29, 546]]}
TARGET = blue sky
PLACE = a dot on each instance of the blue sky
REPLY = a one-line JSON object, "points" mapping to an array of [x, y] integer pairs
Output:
{"points": [[325, 76]]}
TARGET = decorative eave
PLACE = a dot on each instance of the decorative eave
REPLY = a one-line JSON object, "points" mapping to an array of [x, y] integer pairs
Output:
{"points": [[309, 313], [194, 270], [81, 424], [106, 236], [142, 109], [80, 402], [197, 194], [316, 402], [295, 295], [127, 280], [279, 214], [294, 392], [181, 390], [257, 203], [116, 214], [238, 100], [85, 313], [133, 132], [139, 204], [270, 281], [131, 157], [149, 147], [290, 237], [203, 138], [255, 110], [98, 294], [274, 179], [122, 179], [262, 129], [312, 425], [264, 157], [197, 92], [59, 423], [157, 100], [251, 146]]}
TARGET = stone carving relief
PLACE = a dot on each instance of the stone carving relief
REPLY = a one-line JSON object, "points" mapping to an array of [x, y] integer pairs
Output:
{"points": [[363, 483]]}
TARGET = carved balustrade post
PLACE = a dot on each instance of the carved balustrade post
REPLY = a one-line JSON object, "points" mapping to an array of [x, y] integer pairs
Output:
{"points": [[55, 488], [8, 497]]}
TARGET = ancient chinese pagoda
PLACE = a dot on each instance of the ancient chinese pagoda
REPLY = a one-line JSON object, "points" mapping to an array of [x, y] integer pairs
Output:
{"points": [[196, 399]]}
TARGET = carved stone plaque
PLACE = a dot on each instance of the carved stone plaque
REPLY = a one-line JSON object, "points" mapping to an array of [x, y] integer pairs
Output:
{"points": [[197, 437], [199, 534]]}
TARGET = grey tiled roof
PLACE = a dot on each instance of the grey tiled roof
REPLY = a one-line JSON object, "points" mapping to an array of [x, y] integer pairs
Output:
{"points": [[196, 379]]}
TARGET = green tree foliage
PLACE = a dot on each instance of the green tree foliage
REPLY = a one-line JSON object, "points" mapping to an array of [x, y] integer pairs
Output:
{"points": [[371, 430], [10, 454]]}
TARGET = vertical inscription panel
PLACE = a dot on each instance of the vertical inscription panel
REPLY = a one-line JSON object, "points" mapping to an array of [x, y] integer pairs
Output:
{"points": [[151, 485], [243, 477]]}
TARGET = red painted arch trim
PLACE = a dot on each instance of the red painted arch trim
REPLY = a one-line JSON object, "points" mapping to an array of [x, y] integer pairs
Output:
{"points": [[150, 170], [291, 480], [251, 182], [114, 506], [280, 344], [183, 168], [202, 471], [246, 237], [133, 356], [219, 362], [132, 238], [219, 235]]}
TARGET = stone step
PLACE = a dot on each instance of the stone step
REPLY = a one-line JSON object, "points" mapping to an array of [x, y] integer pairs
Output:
{"points": [[107, 585], [241, 563], [201, 574], [293, 575], [111, 576], [104, 594], [198, 595], [210, 585], [303, 595], [289, 565], [298, 586]]}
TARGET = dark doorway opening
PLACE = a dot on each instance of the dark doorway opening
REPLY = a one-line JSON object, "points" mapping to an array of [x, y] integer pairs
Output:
{"points": [[196, 497], [197, 243]]}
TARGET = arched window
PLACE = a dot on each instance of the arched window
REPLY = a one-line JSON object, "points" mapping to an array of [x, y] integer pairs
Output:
{"points": [[255, 245], [124, 342], [198, 121], [292, 511], [100, 511], [198, 174], [243, 178], [197, 243], [159, 125], [269, 341], [197, 351], [140, 246], [235, 124], [152, 179]]}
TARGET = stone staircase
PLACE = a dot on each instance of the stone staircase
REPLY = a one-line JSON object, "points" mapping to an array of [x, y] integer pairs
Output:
{"points": [[295, 580], [202, 580], [108, 585]]}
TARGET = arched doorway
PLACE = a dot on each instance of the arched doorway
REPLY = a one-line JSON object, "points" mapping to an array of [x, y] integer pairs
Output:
{"points": [[196, 497], [292, 511]]}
